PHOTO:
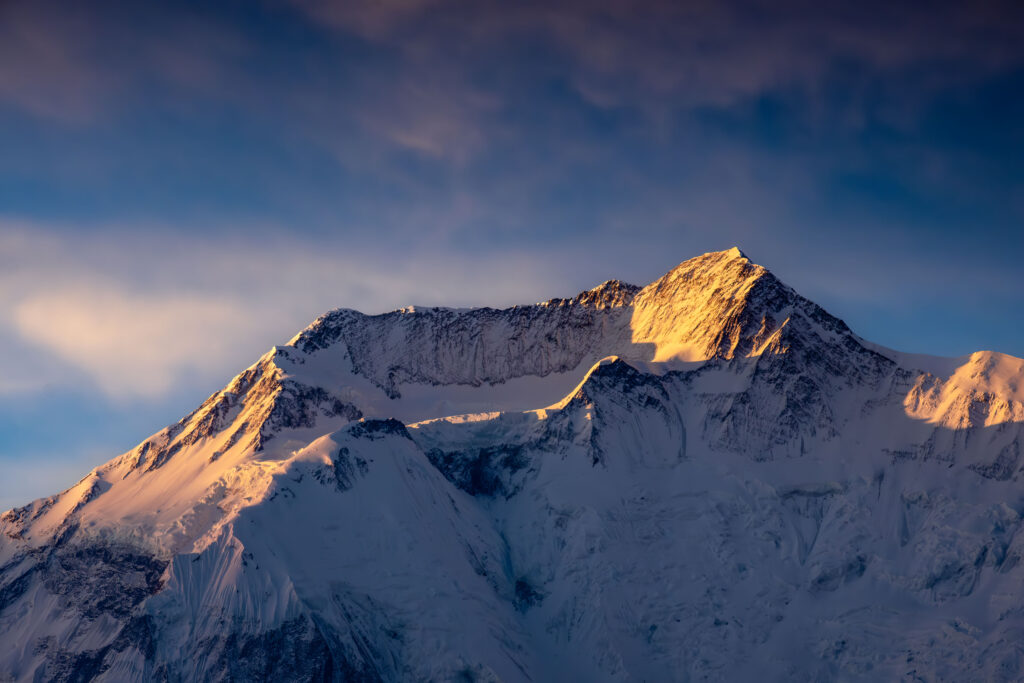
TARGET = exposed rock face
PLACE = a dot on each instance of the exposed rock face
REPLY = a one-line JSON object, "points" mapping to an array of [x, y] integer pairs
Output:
{"points": [[706, 478]]}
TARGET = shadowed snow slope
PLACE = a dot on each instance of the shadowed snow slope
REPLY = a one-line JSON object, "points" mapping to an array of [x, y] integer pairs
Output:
{"points": [[707, 478]]}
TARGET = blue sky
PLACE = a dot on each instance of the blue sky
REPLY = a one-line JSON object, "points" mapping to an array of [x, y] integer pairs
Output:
{"points": [[183, 185]]}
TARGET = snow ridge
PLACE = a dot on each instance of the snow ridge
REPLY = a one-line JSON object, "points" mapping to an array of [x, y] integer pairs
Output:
{"points": [[709, 477]]}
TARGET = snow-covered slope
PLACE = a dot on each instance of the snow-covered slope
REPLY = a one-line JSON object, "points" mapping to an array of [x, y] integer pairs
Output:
{"points": [[709, 478]]}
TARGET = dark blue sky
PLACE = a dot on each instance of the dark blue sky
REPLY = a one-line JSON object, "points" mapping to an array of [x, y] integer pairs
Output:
{"points": [[184, 185]]}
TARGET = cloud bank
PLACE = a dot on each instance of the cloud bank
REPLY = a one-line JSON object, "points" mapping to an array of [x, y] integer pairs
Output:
{"points": [[137, 317]]}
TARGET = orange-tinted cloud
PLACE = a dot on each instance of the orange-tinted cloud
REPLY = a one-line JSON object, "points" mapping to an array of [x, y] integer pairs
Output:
{"points": [[138, 316]]}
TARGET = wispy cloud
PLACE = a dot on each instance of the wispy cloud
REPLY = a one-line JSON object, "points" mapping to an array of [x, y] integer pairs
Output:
{"points": [[137, 317], [694, 52], [45, 68], [132, 344], [27, 479], [422, 113], [76, 64]]}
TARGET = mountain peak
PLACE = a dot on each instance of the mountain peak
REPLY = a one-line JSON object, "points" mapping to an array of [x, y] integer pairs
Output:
{"points": [[723, 258], [727, 271], [719, 304], [722, 305], [608, 294]]}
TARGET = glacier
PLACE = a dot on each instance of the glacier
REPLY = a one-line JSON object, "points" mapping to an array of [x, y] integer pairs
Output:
{"points": [[707, 478]]}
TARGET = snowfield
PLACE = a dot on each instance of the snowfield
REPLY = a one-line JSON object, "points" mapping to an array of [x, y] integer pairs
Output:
{"points": [[707, 478]]}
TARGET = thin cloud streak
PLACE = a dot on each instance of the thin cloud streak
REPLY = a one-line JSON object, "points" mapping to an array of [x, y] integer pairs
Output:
{"points": [[131, 345], [136, 318]]}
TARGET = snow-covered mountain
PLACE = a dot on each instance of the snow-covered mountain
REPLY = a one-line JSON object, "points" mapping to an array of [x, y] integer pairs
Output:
{"points": [[707, 478]]}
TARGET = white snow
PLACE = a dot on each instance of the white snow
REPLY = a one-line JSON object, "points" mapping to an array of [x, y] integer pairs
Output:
{"points": [[705, 479]]}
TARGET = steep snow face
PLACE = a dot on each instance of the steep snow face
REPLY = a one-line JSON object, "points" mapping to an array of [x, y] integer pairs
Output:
{"points": [[987, 389], [706, 478], [664, 562], [722, 306], [440, 346], [303, 565]]}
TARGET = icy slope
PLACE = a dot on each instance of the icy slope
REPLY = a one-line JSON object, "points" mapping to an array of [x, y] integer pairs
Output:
{"points": [[707, 478], [666, 562]]}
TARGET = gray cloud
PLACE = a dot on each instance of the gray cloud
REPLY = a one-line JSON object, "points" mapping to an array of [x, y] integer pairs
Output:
{"points": [[694, 52], [73, 63]]}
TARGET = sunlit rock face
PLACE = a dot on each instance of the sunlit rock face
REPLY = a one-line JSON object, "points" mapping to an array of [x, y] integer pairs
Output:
{"points": [[707, 478]]}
